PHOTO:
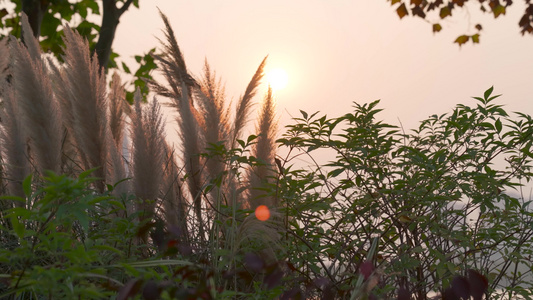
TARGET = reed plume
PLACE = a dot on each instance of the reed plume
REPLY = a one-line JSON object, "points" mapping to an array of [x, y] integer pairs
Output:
{"points": [[148, 155], [13, 143], [179, 90], [69, 157], [37, 105], [31, 43], [62, 93], [117, 171], [215, 116], [117, 108], [85, 90], [189, 130], [215, 126], [173, 54], [245, 103], [264, 150], [4, 59], [174, 202]]}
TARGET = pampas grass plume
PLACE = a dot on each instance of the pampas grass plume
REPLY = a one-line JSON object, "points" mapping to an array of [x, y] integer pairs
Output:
{"points": [[86, 89], [40, 112], [148, 154]]}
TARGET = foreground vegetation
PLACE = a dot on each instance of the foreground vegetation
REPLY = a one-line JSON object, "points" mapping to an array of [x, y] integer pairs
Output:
{"points": [[438, 210]]}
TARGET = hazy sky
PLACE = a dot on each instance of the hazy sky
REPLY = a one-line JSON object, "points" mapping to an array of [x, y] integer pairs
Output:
{"points": [[339, 51]]}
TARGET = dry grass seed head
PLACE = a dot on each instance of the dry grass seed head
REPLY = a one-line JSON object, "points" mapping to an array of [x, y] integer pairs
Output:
{"points": [[32, 44], [4, 59], [148, 153], [117, 108], [264, 150], [87, 93], [13, 143], [245, 103], [37, 105]]}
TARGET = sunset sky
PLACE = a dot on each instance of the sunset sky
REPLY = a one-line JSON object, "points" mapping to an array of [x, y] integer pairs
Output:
{"points": [[339, 51]]}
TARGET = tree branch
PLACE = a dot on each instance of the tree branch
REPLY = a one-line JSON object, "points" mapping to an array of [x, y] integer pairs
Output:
{"points": [[124, 7]]}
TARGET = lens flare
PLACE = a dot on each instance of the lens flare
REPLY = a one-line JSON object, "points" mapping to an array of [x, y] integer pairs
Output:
{"points": [[262, 213]]}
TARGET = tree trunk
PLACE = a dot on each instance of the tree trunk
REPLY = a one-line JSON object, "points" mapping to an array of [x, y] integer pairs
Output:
{"points": [[110, 22], [35, 10]]}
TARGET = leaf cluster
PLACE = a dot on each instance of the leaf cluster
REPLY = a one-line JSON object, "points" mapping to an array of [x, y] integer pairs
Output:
{"points": [[75, 14], [437, 10]]}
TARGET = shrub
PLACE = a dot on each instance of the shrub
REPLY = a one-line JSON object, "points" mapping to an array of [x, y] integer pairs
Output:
{"points": [[416, 209]]}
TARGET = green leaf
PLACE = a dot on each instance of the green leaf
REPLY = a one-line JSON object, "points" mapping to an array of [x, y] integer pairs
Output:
{"points": [[99, 199], [26, 185], [498, 10], [125, 67], [112, 60], [437, 27], [88, 30], [13, 198], [462, 39], [445, 12], [82, 10], [241, 143], [498, 125], [18, 227], [82, 217], [85, 174], [335, 172], [488, 92], [251, 138], [49, 26], [487, 125], [93, 5], [304, 114], [156, 263], [475, 38]]}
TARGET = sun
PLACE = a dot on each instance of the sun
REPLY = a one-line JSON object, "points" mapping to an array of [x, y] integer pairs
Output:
{"points": [[277, 79]]}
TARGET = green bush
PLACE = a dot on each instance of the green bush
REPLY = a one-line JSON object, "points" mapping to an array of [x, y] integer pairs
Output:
{"points": [[437, 202]]}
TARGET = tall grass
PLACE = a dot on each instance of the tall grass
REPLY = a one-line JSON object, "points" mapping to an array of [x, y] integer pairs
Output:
{"points": [[147, 133], [41, 117], [86, 95], [264, 151], [74, 122], [14, 144], [4, 58]]}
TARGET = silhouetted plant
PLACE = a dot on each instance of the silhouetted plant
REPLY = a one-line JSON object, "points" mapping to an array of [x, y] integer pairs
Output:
{"points": [[441, 200]]}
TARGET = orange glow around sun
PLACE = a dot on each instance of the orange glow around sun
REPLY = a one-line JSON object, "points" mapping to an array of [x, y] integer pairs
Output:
{"points": [[262, 213]]}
